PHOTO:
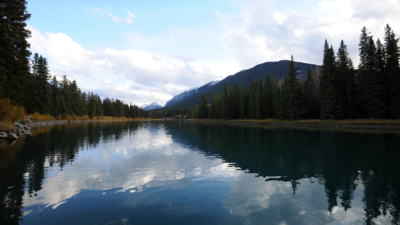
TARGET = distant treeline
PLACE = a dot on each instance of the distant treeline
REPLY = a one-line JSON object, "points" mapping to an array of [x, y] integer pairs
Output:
{"points": [[61, 98], [27, 82], [333, 91]]}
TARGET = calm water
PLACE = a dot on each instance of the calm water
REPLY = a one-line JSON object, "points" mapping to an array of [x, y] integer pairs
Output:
{"points": [[193, 173]]}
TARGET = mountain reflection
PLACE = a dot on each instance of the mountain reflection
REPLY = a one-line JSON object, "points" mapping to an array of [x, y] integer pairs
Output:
{"points": [[275, 160]]}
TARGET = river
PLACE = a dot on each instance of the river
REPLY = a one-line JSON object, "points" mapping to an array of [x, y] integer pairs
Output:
{"points": [[179, 172]]}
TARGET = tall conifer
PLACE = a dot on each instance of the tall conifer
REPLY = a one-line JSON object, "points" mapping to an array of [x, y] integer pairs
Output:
{"points": [[392, 70]]}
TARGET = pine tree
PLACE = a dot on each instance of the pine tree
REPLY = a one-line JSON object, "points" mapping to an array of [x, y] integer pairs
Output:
{"points": [[14, 53], [310, 101], [226, 104], [294, 93], [203, 107], [346, 83], [54, 92], [92, 105], [269, 97], [370, 90], [252, 100], [329, 107], [392, 70]]}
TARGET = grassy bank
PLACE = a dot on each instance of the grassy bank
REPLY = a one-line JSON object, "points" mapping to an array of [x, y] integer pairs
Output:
{"points": [[360, 122]]}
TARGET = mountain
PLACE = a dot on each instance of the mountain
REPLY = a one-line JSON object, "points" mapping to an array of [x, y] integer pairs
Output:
{"points": [[190, 93], [244, 77], [151, 106]]}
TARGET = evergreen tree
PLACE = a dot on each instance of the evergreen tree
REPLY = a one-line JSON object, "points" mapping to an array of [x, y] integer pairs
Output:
{"points": [[283, 98], [310, 99], [54, 92], [99, 107], [262, 100], [269, 97], [203, 107], [14, 53], [392, 70], [294, 93], [252, 100], [92, 105], [226, 104], [372, 104], [329, 105], [346, 83]]}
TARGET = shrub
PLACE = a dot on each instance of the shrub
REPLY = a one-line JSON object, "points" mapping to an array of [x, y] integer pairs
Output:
{"points": [[8, 112], [5, 109], [18, 113], [41, 118]]}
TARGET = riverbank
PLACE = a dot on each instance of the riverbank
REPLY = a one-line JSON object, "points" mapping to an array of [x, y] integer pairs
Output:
{"points": [[365, 124], [13, 131]]}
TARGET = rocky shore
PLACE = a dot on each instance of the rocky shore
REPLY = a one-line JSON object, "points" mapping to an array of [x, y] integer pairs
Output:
{"points": [[20, 131], [24, 130]]}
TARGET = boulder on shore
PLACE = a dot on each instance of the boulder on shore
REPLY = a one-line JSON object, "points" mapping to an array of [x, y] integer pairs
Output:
{"points": [[11, 136], [3, 135]]}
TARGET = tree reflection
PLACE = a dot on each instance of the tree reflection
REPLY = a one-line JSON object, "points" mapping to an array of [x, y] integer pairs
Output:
{"points": [[340, 160], [25, 164]]}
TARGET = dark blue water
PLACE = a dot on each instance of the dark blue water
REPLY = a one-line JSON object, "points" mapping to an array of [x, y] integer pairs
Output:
{"points": [[195, 173]]}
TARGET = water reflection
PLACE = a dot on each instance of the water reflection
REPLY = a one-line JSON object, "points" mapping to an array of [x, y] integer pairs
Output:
{"points": [[199, 173]]}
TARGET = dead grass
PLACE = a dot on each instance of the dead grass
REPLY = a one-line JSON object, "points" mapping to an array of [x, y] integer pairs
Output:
{"points": [[7, 126]]}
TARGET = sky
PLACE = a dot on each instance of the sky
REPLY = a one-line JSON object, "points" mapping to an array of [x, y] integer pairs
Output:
{"points": [[149, 51]]}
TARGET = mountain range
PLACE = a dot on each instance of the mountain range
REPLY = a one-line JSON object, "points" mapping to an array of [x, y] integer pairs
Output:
{"points": [[190, 93], [151, 106], [243, 78]]}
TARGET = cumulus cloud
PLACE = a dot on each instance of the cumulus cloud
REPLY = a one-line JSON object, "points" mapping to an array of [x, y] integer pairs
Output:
{"points": [[131, 75], [262, 31]]}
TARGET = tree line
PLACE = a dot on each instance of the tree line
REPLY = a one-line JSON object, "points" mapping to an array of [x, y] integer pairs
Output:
{"points": [[64, 97], [333, 91], [27, 81]]}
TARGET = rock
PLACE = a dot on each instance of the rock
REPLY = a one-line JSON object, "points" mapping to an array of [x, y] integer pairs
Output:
{"points": [[3, 135], [20, 133], [11, 136]]}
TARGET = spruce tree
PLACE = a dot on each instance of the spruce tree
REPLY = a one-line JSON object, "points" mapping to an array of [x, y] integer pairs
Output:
{"points": [[14, 53], [54, 92], [309, 98], [392, 70], [329, 107], [269, 97], [369, 87], [294, 93], [346, 83], [226, 104], [203, 107]]}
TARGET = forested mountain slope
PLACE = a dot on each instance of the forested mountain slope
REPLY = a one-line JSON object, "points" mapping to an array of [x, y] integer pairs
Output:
{"points": [[244, 77]]}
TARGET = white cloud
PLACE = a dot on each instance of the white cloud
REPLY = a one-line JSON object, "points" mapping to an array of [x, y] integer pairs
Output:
{"points": [[270, 31], [131, 75], [99, 13], [130, 17]]}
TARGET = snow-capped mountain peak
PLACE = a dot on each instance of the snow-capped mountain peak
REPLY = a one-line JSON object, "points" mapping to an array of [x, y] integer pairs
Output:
{"points": [[153, 105]]}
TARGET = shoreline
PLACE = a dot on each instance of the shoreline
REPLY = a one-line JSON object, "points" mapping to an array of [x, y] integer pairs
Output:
{"points": [[24, 130], [359, 124]]}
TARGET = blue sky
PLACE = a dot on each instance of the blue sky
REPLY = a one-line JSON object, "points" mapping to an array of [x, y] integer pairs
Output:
{"points": [[145, 51]]}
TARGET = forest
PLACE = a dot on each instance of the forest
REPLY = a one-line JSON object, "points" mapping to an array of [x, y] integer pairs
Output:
{"points": [[334, 91]]}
